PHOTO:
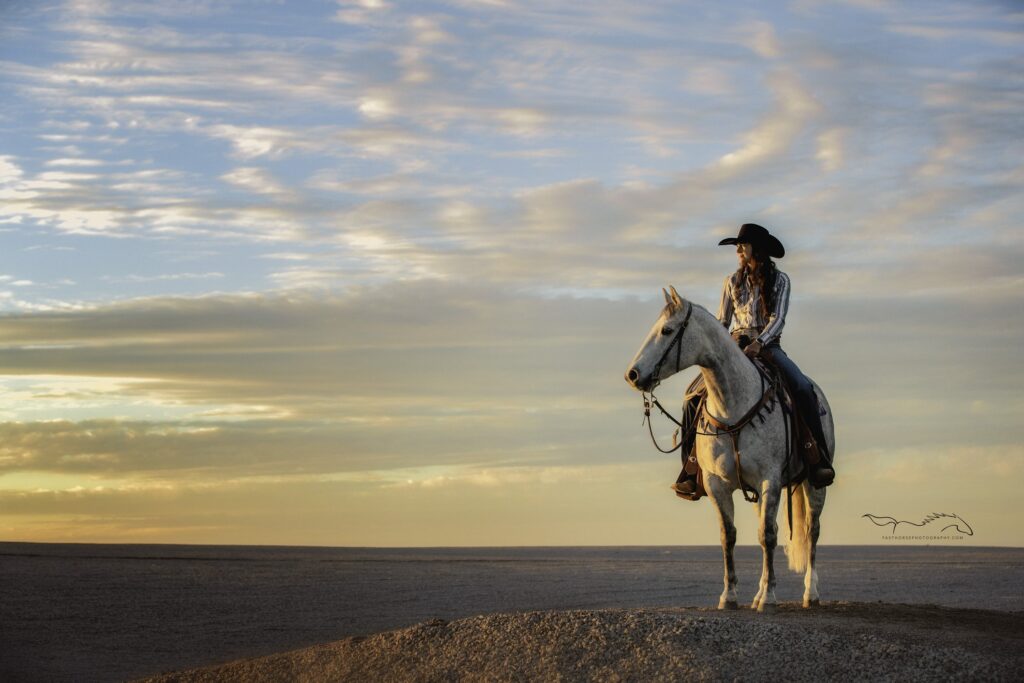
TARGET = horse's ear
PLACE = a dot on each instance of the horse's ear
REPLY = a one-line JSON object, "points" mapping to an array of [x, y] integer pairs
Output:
{"points": [[668, 299], [678, 300]]}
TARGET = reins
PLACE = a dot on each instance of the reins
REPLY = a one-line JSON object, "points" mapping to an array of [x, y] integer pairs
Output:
{"points": [[677, 439]]}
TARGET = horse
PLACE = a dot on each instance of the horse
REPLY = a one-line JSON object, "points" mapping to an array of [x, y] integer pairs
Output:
{"points": [[685, 335]]}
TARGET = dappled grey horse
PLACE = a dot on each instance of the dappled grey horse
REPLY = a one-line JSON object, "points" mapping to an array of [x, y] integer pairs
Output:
{"points": [[685, 335]]}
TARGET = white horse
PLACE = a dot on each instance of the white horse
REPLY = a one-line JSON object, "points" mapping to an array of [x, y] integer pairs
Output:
{"points": [[685, 335]]}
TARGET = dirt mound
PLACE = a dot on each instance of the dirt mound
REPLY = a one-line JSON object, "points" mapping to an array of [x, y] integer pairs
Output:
{"points": [[839, 641]]}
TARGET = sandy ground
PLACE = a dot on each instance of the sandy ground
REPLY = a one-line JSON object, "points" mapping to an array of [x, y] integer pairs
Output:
{"points": [[836, 641]]}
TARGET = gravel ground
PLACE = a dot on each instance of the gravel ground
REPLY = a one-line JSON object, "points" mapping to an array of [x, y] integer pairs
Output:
{"points": [[836, 641]]}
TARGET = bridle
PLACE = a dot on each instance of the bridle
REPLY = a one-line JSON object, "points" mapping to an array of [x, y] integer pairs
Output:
{"points": [[677, 343]]}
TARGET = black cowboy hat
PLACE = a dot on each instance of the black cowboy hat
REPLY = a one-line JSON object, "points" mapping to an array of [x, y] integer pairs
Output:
{"points": [[752, 233]]}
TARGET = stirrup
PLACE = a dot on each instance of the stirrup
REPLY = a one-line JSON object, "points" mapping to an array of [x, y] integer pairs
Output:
{"points": [[821, 476], [687, 486], [686, 489]]}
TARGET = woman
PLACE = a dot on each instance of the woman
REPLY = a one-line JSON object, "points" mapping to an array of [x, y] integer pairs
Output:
{"points": [[755, 300]]}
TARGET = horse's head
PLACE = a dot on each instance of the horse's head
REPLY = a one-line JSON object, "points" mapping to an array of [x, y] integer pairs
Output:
{"points": [[664, 351]]}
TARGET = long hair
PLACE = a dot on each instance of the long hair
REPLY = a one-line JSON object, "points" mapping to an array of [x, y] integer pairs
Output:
{"points": [[764, 276]]}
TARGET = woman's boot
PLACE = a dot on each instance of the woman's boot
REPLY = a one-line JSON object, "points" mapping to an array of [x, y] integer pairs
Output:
{"points": [[686, 484]]}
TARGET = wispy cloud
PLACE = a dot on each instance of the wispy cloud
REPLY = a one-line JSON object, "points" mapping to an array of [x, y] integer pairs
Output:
{"points": [[355, 239]]}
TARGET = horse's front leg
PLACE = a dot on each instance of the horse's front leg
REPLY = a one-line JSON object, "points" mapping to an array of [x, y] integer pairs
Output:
{"points": [[768, 536], [758, 508], [721, 497]]}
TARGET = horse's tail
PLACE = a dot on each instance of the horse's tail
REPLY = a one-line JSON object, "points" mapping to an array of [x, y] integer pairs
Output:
{"points": [[798, 552]]}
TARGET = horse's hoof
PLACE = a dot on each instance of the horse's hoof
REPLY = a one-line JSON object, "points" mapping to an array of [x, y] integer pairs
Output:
{"points": [[728, 604], [767, 608], [811, 603]]}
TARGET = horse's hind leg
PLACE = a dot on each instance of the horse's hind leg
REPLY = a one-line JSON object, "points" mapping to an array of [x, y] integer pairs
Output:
{"points": [[721, 497], [815, 504]]}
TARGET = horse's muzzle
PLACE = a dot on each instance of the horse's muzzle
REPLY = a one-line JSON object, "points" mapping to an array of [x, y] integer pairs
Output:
{"points": [[640, 384]]}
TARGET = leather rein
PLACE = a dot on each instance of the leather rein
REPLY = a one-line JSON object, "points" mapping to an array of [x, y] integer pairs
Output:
{"points": [[768, 393]]}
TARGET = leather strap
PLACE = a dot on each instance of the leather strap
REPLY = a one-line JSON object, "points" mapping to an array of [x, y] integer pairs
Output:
{"points": [[750, 494]]}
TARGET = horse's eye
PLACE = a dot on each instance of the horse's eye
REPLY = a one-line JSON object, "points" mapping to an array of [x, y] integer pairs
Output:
{"points": [[666, 331]]}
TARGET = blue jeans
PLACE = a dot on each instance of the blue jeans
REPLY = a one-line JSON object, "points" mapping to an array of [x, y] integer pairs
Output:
{"points": [[796, 379], [803, 391]]}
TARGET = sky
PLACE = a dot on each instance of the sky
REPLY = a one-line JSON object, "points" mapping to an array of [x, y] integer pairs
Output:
{"points": [[369, 273]]}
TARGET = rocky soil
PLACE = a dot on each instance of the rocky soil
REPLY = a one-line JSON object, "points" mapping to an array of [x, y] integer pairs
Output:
{"points": [[836, 641]]}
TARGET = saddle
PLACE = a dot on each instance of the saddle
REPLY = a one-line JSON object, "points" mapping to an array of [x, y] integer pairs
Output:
{"points": [[802, 449]]}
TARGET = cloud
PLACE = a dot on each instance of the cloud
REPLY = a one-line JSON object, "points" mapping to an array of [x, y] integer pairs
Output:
{"points": [[456, 103], [773, 136], [377, 108], [910, 466], [165, 277], [947, 33], [384, 376], [86, 163], [295, 384], [253, 142], [361, 12], [256, 180], [617, 502], [437, 235], [830, 149], [9, 170], [762, 39], [709, 80]]}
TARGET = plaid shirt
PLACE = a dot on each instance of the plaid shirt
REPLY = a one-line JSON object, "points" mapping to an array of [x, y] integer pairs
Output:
{"points": [[740, 309]]}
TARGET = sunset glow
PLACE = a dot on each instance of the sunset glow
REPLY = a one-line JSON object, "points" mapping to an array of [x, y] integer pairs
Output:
{"points": [[369, 273]]}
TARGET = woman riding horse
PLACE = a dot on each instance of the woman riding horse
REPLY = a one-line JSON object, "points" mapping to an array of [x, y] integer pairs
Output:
{"points": [[755, 300]]}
